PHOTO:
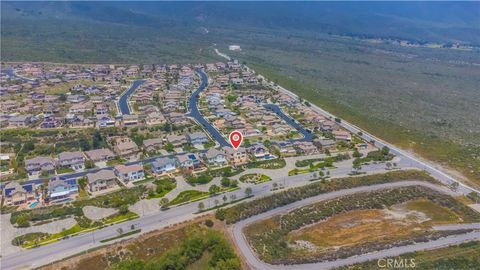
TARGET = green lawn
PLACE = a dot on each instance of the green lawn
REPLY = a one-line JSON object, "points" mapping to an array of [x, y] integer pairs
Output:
{"points": [[188, 195]]}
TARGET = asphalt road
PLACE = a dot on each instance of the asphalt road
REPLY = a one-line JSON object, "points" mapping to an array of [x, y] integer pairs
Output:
{"points": [[195, 113], [123, 100], [256, 263], [148, 222], [307, 136]]}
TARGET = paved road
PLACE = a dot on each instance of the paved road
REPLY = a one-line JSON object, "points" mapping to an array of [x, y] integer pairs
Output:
{"points": [[256, 263], [307, 136], [12, 74], [415, 162], [195, 113], [148, 222], [123, 100]]}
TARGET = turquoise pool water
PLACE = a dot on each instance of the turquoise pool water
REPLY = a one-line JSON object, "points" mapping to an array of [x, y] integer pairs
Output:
{"points": [[32, 205]]}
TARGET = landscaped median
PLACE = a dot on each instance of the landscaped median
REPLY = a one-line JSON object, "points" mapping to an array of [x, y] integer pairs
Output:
{"points": [[32, 240], [189, 196], [254, 178]]}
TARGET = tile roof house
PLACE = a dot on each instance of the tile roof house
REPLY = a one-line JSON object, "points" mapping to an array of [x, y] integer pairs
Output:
{"points": [[125, 147], [129, 173], [20, 121], [101, 180], [215, 157], [342, 135], [100, 155], [260, 152], [189, 161], [16, 194], [306, 148], [151, 145], [59, 188], [155, 118], [197, 138], [236, 157], [36, 165], [176, 140], [74, 160], [164, 165]]}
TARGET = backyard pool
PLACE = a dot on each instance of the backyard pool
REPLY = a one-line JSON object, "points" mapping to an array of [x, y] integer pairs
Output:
{"points": [[32, 205]]}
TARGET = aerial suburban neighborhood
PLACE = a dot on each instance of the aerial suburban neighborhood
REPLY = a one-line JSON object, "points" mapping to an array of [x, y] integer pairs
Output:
{"points": [[100, 128], [90, 146]]}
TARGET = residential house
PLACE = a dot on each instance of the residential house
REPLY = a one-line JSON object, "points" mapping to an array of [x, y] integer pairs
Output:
{"points": [[51, 122], [197, 138], [215, 157], [74, 160], [189, 161], [341, 135], [105, 121], [285, 148], [305, 148], [101, 180], [164, 165], [20, 121], [152, 145], [129, 173], [16, 194], [236, 157], [61, 188], [325, 144], [155, 118], [176, 140], [100, 155], [36, 165], [260, 152], [125, 147]]}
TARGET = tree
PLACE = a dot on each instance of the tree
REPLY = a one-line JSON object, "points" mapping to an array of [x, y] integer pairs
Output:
{"points": [[357, 164], [22, 221], [123, 209], [225, 182], [216, 202], [201, 206], [388, 164], [233, 197], [356, 154], [327, 152], [225, 199], [385, 150], [164, 204], [248, 191], [214, 189], [120, 231], [454, 186]]}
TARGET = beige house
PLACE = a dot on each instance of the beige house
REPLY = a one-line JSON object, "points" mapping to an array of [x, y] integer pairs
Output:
{"points": [[236, 157], [101, 180], [125, 147], [16, 194]]}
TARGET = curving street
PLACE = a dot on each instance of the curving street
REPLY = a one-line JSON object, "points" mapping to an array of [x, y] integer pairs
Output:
{"points": [[194, 112], [123, 106], [256, 263]]}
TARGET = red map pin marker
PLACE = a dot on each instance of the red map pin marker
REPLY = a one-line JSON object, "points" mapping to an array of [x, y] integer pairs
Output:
{"points": [[236, 139]]}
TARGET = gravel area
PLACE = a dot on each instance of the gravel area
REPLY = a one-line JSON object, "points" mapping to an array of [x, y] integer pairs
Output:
{"points": [[98, 213], [8, 232]]}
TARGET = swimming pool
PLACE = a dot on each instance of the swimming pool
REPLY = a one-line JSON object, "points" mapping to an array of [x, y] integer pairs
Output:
{"points": [[32, 205]]}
